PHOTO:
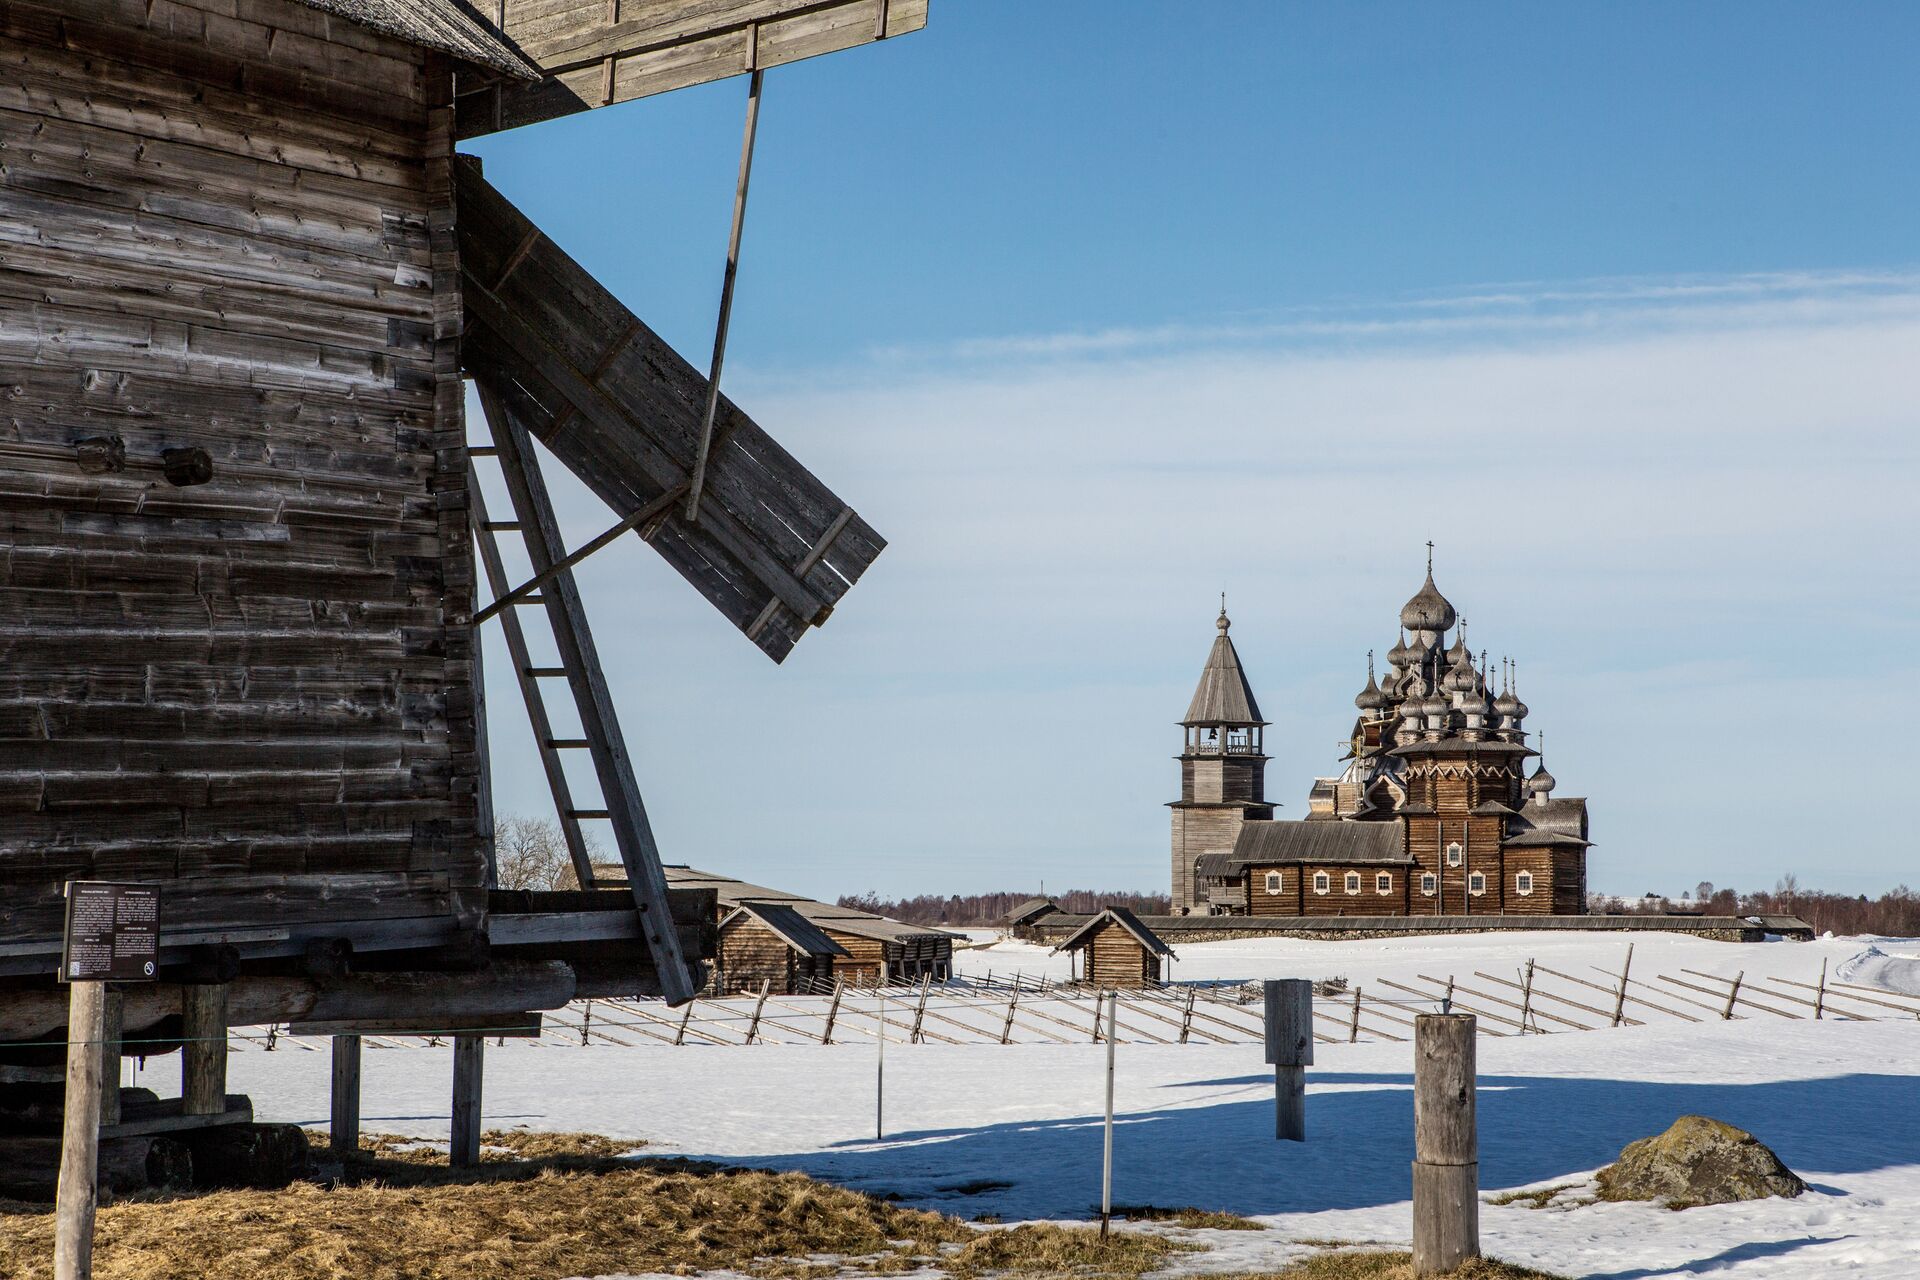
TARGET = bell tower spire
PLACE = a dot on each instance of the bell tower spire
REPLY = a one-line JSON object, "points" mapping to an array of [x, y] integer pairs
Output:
{"points": [[1223, 767]]}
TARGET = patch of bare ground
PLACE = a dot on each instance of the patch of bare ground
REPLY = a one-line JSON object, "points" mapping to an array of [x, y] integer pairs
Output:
{"points": [[1543, 1197]]}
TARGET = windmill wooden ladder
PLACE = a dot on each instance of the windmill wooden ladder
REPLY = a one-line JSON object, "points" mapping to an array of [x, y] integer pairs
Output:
{"points": [[621, 805]]}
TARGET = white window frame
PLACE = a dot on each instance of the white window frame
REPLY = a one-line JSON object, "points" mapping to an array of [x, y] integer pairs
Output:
{"points": [[1477, 884], [1429, 883], [1275, 883], [1523, 884], [1383, 882], [1322, 882], [1455, 854], [1352, 883]]}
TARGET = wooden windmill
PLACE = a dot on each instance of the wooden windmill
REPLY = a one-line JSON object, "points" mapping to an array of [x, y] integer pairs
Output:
{"points": [[245, 281]]}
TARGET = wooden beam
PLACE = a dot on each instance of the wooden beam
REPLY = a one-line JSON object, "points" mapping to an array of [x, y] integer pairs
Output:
{"points": [[594, 57]]}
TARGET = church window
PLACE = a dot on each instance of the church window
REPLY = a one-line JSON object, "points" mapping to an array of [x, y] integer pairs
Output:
{"points": [[1353, 882], [1322, 882], [1273, 882], [1455, 854], [1429, 883], [1383, 883], [1523, 883], [1477, 883]]}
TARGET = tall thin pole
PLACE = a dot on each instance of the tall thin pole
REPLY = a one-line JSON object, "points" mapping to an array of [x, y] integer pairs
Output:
{"points": [[880, 1078], [726, 296], [78, 1192], [1106, 1158]]}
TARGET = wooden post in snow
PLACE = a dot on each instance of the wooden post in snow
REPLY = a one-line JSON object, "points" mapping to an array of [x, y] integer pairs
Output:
{"points": [[78, 1192], [1186, 1016], [1527, 1020], [1726, 1014], [753, 1028], [1620, 996], [469, 1061], [1289, 1037], [1820, 992], [1446, 1146], [1006, 1029], [344, 1125], [686, 1016], [920, 1011], [203, 1056], [1353, 1027], [833, 1012]]}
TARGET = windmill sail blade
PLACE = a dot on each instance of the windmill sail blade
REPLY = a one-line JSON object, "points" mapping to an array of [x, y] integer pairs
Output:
{"points": [[773, 549], [598, 52]]}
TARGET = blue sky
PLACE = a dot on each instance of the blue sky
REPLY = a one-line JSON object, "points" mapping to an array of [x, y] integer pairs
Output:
{"points": [[1097, 310]]}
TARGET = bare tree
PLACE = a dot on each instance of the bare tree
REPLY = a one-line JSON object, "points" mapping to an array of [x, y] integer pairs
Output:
{"points": [[530, 853]]}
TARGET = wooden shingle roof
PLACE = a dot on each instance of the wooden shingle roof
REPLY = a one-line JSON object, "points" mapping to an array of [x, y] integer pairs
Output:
{"points": [[449, 26], [789, 926], [1123, 918], [1223, 695], [1338, 842]]}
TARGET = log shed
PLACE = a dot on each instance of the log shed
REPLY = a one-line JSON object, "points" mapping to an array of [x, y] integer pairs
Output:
{"points": [[245, 285]]}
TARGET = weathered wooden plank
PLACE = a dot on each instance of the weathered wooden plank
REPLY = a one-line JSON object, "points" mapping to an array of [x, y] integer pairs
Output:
{"points": [[596, 55]]}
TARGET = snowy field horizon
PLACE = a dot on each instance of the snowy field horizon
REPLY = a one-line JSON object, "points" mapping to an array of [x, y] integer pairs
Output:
{"points": [[1013, 1132]]}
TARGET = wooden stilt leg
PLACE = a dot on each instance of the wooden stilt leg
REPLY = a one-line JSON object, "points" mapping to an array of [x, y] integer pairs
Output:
{"points": [[469, 1056], [203, 1058], [112, 1029], [346, 1095]]}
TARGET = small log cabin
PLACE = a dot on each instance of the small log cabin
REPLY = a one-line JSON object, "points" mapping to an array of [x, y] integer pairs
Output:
{"points": [[770, 944], [1021, 920], [1434, 814], [877, 951], [1114, 949]]}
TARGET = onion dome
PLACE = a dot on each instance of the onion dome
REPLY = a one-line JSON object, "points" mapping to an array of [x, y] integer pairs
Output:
{"points": [[1508, 705], [1371, 698], [1401, 654], [1540, 783], [1460, 676], [1428, 610]]}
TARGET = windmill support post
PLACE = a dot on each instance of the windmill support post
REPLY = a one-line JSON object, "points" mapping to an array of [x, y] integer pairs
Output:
{"points": [[1446, 1160], [344, 1122], [203, 1053], [469, 1060], [1289, 1039]]}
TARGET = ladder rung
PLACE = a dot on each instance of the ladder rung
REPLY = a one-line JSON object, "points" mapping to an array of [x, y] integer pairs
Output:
{"points": [[503, 526], [588, 813], [546, 671], [563, 743], [535, 598], [483, 451]]}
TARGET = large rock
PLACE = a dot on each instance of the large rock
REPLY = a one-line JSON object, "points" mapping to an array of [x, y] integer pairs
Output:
{"points": [[1698, 1161]]}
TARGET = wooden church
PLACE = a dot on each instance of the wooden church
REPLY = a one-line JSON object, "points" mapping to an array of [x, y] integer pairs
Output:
{"points": [[1433, 813]]}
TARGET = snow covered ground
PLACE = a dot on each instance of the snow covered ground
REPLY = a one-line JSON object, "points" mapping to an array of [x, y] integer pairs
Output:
{"points": [[1015, 1131]]}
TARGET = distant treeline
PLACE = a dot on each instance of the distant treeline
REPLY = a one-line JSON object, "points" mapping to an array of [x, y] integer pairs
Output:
{"points": [[1895, 913], [992, 908]]}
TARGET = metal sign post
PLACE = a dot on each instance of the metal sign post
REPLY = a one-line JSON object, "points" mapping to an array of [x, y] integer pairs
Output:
{"points": [[112, 934], [880, 1078], [1106, 1159]]}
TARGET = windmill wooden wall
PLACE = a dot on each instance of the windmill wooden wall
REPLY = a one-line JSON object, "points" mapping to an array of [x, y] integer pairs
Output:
{"points": [[228, 228]]}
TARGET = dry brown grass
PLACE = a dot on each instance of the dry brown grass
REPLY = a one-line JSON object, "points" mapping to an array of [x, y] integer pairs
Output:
{"points": [[1538, 1198], [1207, 1219], [1374, 1264], [399, 1215], [1048, 1252]]}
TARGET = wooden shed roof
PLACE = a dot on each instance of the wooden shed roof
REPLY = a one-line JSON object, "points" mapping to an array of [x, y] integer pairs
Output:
{"points": [[827, 916], [1032, 909], [447, 25], [1124, 919], [789, 926]]}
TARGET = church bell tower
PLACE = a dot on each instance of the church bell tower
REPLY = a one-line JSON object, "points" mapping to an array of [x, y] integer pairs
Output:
{"points": [[1222, 769]]}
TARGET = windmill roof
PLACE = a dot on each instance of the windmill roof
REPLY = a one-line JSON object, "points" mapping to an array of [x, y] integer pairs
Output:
{"points": [[1126, 920], [789, 926], [447, 25], [1301, 841], [1223, 695]]}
